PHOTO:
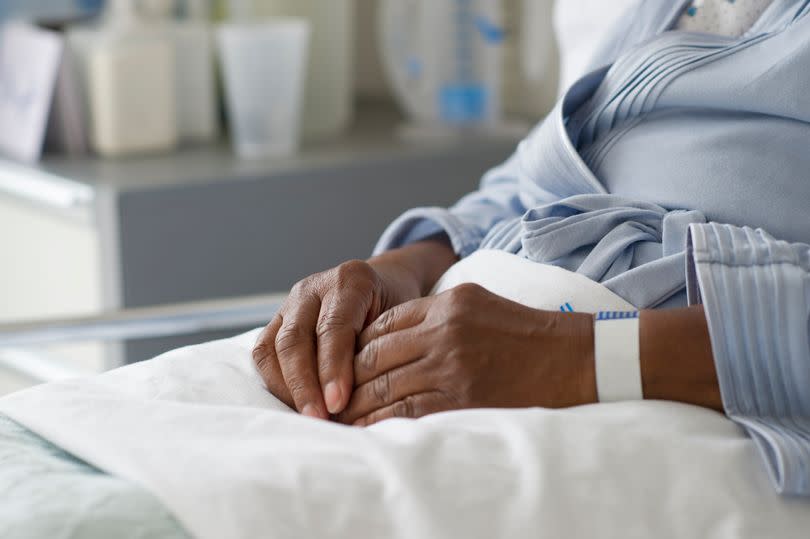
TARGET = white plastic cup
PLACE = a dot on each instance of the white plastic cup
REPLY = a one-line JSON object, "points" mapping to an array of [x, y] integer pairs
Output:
{"points": [[263, 66]]}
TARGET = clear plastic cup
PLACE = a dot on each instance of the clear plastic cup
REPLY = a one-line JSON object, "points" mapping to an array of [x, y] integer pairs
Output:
{"points": [[264, 66]]}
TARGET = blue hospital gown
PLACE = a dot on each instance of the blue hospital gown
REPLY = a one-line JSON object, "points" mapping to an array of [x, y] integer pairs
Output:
{"points": [[678, 139]]}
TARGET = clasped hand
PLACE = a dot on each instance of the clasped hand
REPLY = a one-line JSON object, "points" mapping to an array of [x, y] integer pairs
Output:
{"points": [[358, 342]]}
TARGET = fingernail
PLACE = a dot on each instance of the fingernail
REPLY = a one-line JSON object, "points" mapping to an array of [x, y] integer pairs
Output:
{"points": [[332, 396], [310, 411]]}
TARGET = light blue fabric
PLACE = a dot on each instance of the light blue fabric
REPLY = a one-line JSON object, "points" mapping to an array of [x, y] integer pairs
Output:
{"points": [[756, 294], [674, 129], [46, 493]]}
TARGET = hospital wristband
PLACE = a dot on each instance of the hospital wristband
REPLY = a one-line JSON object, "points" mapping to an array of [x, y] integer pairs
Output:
{"points": [[617, 357]]}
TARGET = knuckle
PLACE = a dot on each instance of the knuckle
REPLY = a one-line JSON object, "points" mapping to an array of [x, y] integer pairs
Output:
{"points": [[353, 271], [369, 357], [296, 384], [466, 292], [460, 299], [261, 353], [300, 287], [407, 407], [385, 323], [382, 387], [454, 331], [290, 336], [264, 348], [331, 323], [453, 314], [296, 381]]}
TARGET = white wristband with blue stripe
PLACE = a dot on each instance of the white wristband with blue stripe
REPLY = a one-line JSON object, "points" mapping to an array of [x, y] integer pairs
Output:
{"points": [[617, 356]]}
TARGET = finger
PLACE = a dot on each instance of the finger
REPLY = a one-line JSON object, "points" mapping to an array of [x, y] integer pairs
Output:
{"points": [[264, 349], [386, 389], [412, 406], [343, 312], [295, 348], [266, 361], [397, 318], [389, 352]]}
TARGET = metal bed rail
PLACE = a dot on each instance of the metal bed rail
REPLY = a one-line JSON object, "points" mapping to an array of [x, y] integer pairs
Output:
{"points": [[16, 339]]}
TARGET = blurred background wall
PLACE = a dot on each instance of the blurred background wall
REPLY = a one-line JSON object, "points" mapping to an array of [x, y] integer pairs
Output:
{"points": [[183, 150]]}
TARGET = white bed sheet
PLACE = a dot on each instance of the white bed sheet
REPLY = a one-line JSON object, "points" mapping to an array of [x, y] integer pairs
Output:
{"points": [[197, 428]]}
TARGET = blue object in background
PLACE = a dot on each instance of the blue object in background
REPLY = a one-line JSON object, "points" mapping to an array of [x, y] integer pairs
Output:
{"points": [[492, 33], [463, 103]]}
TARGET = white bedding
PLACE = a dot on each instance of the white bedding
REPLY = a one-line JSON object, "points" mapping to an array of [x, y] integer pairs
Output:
{"points": [[196, 427]]}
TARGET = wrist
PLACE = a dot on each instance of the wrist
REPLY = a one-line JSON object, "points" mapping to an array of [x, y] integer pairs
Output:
{"points": [[677, 363], [416, 266], [575, 382], [583, 342], [397, 283], [674, 359]]}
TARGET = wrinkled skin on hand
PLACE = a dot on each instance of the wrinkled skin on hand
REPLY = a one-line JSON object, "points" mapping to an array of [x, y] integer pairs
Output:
{"points": [[362, 343], [305, 354], [468, 348]]}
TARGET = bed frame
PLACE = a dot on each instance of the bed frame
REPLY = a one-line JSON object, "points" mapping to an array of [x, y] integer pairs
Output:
{"points": [[18, 339]]}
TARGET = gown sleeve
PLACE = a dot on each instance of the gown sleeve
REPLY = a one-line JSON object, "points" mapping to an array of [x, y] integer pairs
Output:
{"points": [[756, 294]]}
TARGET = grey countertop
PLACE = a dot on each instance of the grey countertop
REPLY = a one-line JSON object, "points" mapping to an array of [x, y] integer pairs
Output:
{"points": [[373, 137]]}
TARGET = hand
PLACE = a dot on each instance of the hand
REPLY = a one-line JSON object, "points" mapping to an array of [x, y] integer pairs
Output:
{"points": [[468, 348], [306, 353]]}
